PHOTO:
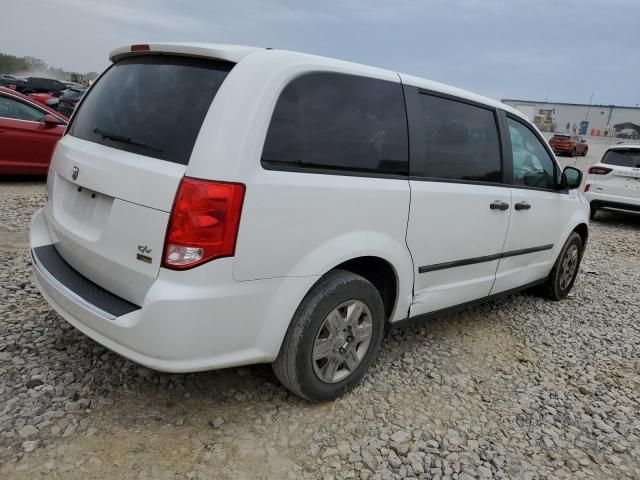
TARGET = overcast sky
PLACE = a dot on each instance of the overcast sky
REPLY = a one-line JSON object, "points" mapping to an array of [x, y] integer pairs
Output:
{"points": [[531, 49]]}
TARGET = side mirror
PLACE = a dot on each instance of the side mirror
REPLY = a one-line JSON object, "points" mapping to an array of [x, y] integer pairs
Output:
{"points": [[571, 178], [51, 120]]}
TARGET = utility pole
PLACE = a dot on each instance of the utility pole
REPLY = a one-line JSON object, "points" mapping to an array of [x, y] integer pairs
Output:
{"points": [[589, 108]]}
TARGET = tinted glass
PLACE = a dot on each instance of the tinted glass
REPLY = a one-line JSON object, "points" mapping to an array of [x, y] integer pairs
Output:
{"points": [[623, 158], [72, 94], [10, 108], [339, 122], [461, 141], [561, 137], [532, 165], [157, 102]]}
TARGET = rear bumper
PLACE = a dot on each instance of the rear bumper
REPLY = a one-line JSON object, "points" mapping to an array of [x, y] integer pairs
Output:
{"points": [[614, 202], [562, 148], [193, 320]]}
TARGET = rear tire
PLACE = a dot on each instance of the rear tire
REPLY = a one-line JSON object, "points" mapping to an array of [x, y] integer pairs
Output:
{"points": [[334, 336], [564, 272]]}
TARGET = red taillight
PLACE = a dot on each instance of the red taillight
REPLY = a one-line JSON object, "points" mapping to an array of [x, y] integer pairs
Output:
{"points": [[203, 224], [587, 187], [599, 170], [141, 47]]}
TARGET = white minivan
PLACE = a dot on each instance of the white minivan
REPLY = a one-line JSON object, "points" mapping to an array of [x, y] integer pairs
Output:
{"points": [[212, 206]]}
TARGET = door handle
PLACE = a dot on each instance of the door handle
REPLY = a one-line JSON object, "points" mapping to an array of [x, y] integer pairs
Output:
{"points": [[522, 206], [498, 205]]}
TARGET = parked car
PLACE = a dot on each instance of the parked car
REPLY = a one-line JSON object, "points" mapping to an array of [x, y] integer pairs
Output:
{"points": [[41, 85], [42, 98], [628, 133], [72, 84], [614, 182], [282, 207], [569, 144], [69, 99], [11, 81], [28, 133]]}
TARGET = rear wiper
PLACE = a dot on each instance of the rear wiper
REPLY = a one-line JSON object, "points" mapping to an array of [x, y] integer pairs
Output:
{"points": [[121, 138]]}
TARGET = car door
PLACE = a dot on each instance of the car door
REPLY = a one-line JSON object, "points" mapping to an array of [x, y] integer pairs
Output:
{"points": [[583, 145], [540, 209], [26, 143], [459, 205]]}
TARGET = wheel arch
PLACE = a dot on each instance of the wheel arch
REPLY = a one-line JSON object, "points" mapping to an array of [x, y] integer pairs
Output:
{"points": [[583, 230], [381, 273]]}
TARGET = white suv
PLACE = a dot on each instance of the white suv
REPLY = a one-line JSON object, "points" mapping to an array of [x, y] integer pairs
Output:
{"points": [[214, 205], [614, 182]]}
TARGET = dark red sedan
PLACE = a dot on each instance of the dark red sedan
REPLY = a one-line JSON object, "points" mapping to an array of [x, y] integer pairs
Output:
{"points": [[28, 133]]}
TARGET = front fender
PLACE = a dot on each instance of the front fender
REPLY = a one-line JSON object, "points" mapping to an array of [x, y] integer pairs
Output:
{"points": [[579, 217]]}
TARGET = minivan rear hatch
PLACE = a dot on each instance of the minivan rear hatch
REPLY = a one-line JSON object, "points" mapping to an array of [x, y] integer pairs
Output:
{"points": [[115, 173]]}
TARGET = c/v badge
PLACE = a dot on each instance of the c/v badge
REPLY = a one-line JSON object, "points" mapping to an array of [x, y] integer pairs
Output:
{"points": [[143, 256]]}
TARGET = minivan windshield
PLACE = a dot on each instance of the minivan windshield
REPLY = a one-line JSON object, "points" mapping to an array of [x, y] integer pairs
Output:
{"points": [[623, 158], [150, 105]]}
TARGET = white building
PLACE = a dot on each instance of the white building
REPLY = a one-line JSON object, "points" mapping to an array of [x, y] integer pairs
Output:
{"points": [[554, 116]]}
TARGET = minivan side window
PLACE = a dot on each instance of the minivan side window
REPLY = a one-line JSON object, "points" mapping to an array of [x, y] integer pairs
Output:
{"points": [[338, 122], [532, 165], [461, 141]]}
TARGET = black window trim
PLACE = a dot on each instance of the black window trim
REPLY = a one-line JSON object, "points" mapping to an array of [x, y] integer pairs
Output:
{"points": [[416, 149], [277, 166], [86, 92], [509, 155]]}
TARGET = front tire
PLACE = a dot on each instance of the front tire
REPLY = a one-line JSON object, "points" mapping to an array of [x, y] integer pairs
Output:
{"points": [[564, 272], [334, 336]]}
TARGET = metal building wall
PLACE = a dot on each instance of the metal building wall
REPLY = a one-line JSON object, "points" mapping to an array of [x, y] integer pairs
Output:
{"points": [[598, 116]]}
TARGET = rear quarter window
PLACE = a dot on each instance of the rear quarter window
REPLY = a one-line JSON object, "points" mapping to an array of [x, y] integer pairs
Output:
{"points": [[338, 122], [150, 105]]}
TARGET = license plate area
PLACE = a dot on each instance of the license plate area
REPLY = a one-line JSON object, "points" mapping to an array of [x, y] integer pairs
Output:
{"points": [[81, 210]]}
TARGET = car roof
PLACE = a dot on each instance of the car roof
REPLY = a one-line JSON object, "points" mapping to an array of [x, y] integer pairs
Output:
{"points": [[13, 93], [625, 146], [235, 53]]}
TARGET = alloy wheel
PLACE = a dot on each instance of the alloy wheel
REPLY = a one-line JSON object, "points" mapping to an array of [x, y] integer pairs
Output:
{"points": [[342, 341], [568, 266]]}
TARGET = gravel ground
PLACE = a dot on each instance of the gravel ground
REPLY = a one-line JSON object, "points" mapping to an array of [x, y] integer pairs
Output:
{"points": [[519, 388]]}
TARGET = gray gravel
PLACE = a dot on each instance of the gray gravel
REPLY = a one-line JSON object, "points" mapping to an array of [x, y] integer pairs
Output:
{"points": [[520, 388]]}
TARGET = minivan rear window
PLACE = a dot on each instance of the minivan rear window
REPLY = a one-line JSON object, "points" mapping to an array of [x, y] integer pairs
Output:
{"points": [[623, 158], [150, 105]]}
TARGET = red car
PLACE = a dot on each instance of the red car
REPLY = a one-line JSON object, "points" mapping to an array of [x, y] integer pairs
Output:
{"points": [[570, 144], [28, 133], [41, 98]]}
